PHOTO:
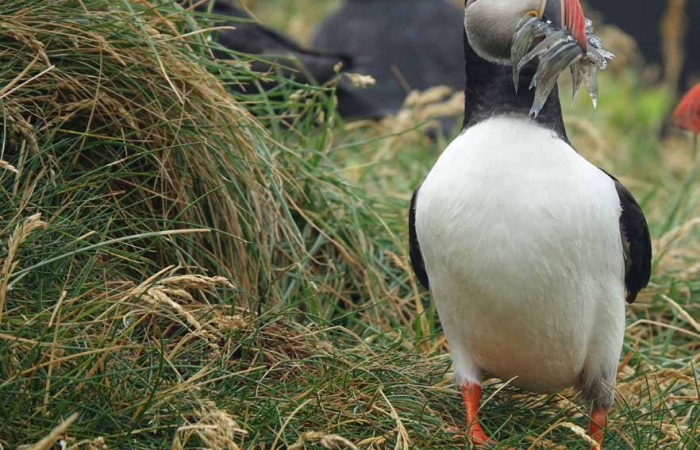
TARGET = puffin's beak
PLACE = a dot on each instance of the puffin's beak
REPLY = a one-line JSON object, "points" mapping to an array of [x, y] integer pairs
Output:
{"points": [[566, 14]]}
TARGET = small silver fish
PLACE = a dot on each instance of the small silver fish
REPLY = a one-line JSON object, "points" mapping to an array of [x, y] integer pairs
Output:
{"points": [[522, 41], [557, 51], [594, 41], [575, 80], [589, 74], [551, 40], [551, 65], [548, 59], [597, 58]]}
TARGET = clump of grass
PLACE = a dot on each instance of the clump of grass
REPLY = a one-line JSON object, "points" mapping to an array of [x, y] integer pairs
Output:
{"points": [[146, 215]]}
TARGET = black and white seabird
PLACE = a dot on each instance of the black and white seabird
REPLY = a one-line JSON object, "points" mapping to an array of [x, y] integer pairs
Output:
{"points": [[529, 250], [244, 35], [404, 44]]}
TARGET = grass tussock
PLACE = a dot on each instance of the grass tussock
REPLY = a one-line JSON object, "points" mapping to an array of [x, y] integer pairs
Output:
{"points": [[144, 208], [188, 267], [115, 115]]}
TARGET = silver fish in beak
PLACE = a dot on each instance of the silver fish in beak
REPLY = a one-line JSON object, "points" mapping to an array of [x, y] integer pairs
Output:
{"points": [[565, 39], [566, 15]]}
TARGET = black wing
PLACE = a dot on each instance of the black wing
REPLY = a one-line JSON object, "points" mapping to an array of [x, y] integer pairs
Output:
{"points": [[413, 245], [636, 242]]}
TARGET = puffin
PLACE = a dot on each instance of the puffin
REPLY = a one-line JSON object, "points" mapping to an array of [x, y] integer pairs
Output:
{"points": [[528, 250], [404, 44], [306, 65]]}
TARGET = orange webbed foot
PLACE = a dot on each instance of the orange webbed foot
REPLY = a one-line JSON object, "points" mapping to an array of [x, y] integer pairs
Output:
{"points": [[597, 424], [471, 395]]}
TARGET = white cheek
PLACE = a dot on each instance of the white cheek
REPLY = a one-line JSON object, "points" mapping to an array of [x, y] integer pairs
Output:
{"points": [[491, 24]]}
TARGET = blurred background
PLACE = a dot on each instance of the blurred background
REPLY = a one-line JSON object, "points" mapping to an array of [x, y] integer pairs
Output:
{"points": [[664, 34], [656, 44]]}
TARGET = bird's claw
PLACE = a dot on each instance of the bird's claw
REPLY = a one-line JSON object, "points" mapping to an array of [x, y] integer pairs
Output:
{"points": [[556, 51]]}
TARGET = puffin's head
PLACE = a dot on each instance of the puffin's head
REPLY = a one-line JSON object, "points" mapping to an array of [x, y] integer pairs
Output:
{"points": [[491, 24]]}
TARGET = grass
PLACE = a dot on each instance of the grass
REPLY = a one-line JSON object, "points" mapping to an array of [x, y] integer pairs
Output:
{"points": [[185, 267]]}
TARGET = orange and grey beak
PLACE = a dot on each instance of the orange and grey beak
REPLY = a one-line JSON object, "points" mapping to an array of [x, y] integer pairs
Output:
{"points": [[568, 15]]}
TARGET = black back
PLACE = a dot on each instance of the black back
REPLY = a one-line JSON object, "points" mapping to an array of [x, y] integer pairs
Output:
{"points": [[414, 247], [636, 242]]}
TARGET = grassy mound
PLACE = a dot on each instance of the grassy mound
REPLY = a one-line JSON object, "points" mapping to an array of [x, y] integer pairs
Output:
{"points": [[176, 275], [144, 210], [114, 123]]}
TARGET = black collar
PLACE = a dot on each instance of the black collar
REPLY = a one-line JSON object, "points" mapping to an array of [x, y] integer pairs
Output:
{"points": [[490, 92]]}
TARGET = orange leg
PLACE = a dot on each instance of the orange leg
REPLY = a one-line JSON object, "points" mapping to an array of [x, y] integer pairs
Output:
{"points": [[471, 394], [597, 424]]}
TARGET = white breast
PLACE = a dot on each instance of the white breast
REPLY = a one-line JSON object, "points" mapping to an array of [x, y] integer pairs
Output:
{"points": [[521, 241]]}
